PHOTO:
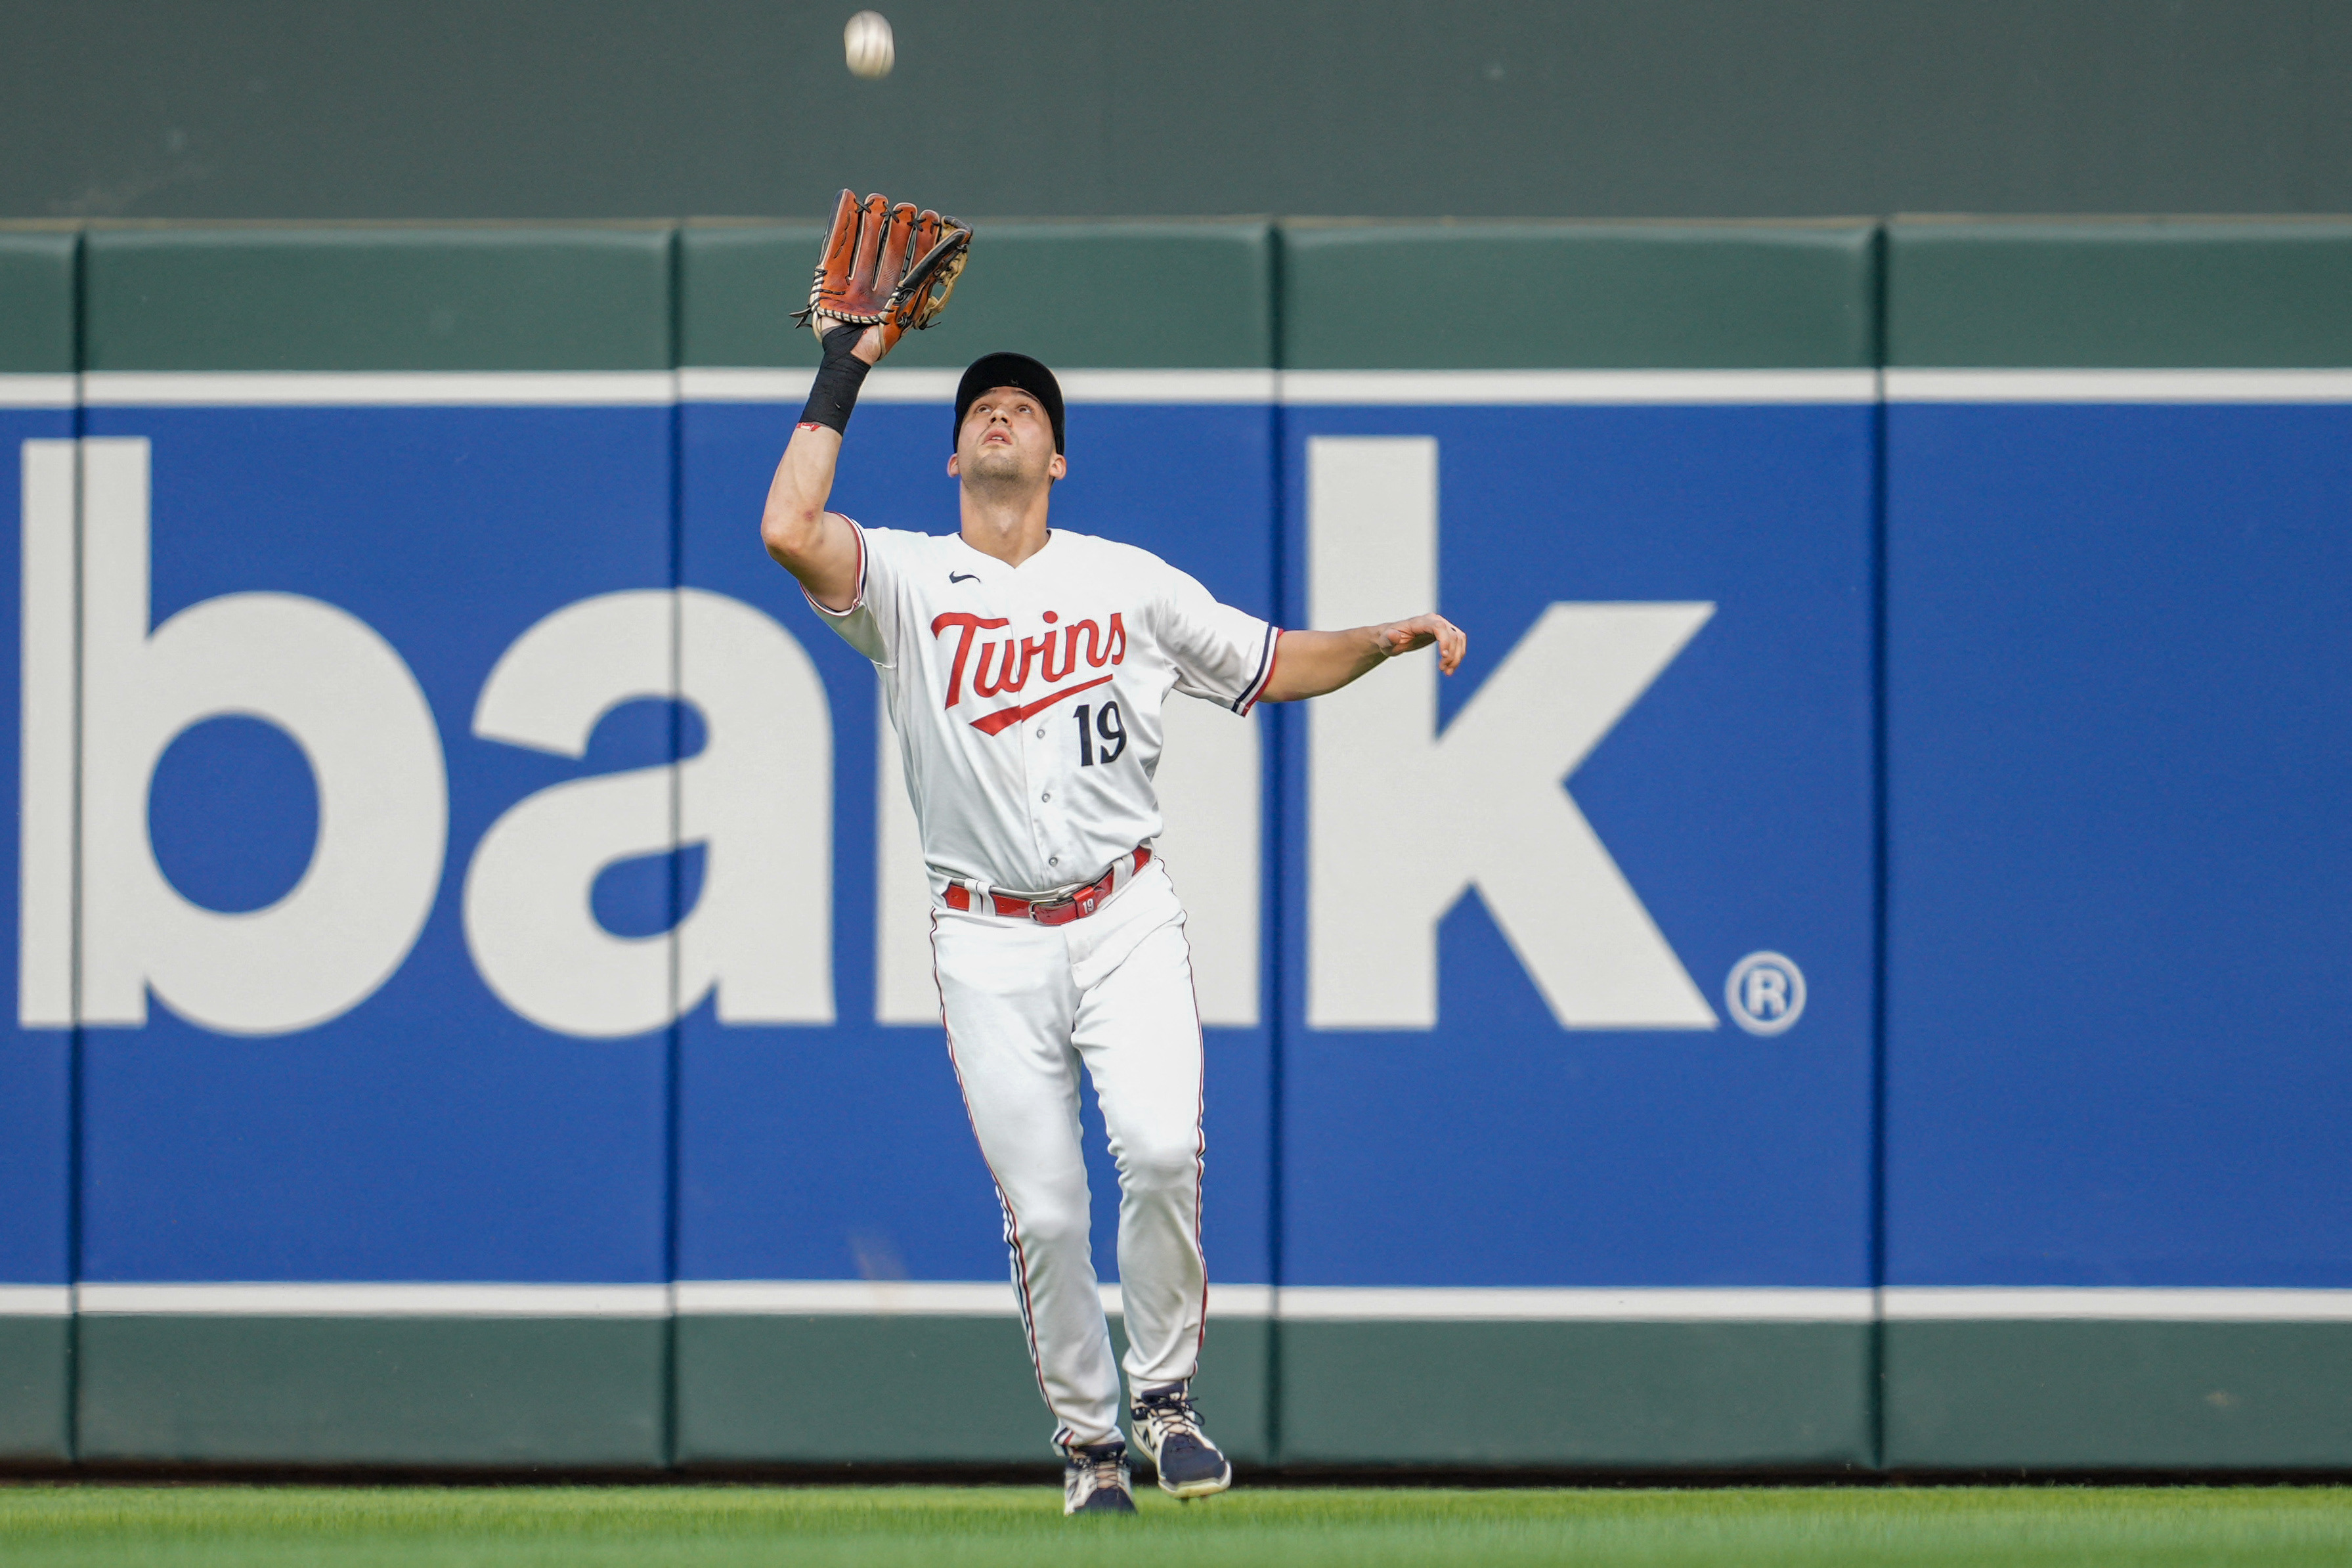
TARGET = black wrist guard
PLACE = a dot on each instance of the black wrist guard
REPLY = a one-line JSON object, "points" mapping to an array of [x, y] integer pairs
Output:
{"points": [[835, 392]]}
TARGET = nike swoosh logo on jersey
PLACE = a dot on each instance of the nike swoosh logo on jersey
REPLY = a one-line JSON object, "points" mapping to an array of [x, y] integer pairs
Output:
{"points": [[963, 576], [1006, 718]]}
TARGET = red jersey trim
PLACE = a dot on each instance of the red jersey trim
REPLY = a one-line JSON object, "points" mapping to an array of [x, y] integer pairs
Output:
{"points": [[1268, 661]]}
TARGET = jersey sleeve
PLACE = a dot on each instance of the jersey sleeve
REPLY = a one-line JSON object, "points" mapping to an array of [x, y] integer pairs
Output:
{"points": [[870, 623], [1222, 655]]}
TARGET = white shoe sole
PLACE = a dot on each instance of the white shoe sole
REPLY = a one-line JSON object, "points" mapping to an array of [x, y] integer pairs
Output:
{"points": [[1191, 1490], [1200, 1488]]}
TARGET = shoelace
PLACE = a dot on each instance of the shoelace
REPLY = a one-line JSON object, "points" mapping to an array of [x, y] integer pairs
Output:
{"points": [[1171, 1412], [1102, 1470]]}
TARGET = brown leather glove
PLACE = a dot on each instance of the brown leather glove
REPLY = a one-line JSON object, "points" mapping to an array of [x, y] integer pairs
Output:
{"points": [[887, 267]]}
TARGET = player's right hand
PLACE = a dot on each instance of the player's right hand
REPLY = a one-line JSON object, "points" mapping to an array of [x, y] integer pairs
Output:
{"points": [[1405, 636]]}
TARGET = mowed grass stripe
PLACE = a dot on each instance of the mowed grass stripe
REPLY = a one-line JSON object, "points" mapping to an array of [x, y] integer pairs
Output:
{"points": [[260, 1526]]}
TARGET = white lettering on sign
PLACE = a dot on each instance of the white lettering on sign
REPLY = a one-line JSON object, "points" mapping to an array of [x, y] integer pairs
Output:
{"points": [[1403, 820], [319, 674], [758, 797]]}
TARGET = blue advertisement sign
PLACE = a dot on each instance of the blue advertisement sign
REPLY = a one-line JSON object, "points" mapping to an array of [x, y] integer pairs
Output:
{"points": [[1583, 936], [37, 479], [388, 970], [310, 950], [2119, 641]]}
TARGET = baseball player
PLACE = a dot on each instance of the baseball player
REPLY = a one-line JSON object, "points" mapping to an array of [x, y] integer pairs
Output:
{"points": [[1027, 667]]}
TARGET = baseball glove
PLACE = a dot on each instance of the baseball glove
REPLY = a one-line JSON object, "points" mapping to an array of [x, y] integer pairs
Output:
{"points": [[887, 267]]}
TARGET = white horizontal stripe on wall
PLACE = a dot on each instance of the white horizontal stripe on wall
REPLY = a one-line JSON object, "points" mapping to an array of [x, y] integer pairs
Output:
{"points": [[377, 1300], [1167, 386], [846, 1298], [36, 1301], [721, 385], [2118, 1305], [2118, 386], [1429, 387], [1341, 1304], [994, 1299], [1383, 387], [908, 1298], [1425, 388], [377, 389], [37, 391]]}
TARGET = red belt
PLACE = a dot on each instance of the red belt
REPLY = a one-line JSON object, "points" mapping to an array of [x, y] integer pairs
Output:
{"points": [[1059, 910]]}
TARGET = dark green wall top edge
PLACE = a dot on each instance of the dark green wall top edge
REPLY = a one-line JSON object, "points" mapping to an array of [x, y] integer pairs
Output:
{"points": [[38, 263], [1304, 227], [2155, 291], [2152, 293], [374, 225], [388, 297], [2112, 223]]}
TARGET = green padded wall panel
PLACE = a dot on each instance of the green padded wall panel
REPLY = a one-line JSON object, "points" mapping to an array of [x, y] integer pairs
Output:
{"points": [[378, 298], [1614, 1395], [373, 1391], [36, 1392], [1570, 296], [36, 339], [1116, 294], [2093, 1396], [2182, 294], [777, 1390], [36, 299]]}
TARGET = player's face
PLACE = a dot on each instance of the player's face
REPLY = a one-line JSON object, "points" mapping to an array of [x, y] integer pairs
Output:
{"points": [[1007, 436]]}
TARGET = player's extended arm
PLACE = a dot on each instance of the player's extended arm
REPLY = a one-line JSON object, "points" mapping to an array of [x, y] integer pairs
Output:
{"points": [[1308, 664], [807, 541]]}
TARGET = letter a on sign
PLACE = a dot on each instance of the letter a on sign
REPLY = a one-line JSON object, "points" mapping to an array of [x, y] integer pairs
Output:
{"points": [[1404, 820]]}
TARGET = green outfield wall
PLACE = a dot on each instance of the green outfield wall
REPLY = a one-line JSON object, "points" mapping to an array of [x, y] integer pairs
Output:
{"points": [[1174, 295], [37, 359], [1617, 301], [1491, 109], [1589, 296], [2167, 338], [372, 1387], [1968, 1220]]}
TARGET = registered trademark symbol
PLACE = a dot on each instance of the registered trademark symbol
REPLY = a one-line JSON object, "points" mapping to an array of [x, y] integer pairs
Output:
{"points": [[1766, 993]]}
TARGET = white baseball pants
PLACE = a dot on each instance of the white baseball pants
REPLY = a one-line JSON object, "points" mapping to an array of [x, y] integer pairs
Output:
{"points": [[1026, 1004]]}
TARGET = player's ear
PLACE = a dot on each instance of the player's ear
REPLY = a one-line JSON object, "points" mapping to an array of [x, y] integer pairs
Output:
{"points": [[1058, 467], [951, 467]]}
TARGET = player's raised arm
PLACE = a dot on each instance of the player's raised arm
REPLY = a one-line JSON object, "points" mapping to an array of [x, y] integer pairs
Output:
{"points": [[884, 269], [1308, 664], [811, 543]]}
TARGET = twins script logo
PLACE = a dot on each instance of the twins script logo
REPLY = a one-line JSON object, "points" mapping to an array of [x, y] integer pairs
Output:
{"points": [[1021, 656]]}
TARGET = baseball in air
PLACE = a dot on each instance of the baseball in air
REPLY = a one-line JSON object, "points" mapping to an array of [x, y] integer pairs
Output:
{"points": [[866, 41]]}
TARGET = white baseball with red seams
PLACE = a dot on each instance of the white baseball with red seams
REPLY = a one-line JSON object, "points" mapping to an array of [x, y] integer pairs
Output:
{"points": [[1028, 705]]}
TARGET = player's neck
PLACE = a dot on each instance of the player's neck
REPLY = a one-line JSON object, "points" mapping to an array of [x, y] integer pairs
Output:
{"points": [[1012, 528]]}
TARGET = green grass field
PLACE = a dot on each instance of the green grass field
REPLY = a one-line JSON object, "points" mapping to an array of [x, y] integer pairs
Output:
{"points": [[263, 1527]]}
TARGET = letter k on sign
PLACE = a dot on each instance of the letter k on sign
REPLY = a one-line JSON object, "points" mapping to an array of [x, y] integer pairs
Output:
{"points": [[1403, 821]]}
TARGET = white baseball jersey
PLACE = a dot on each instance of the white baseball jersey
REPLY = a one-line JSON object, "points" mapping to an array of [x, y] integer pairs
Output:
{"points": [[1027, 700]]}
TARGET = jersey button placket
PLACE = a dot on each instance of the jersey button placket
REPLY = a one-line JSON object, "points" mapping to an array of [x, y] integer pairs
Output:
{"points": [[1039, 762]]}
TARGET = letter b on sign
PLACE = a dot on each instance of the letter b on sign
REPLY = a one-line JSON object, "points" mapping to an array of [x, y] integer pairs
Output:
{"points": [[313, 670]]}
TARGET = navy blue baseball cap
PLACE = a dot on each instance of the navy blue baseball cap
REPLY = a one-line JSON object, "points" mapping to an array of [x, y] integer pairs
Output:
{"points": [[1008, 369]]}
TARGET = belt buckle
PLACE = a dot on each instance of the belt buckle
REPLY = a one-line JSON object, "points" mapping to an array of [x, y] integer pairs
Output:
{"points": [[1085, 901]]}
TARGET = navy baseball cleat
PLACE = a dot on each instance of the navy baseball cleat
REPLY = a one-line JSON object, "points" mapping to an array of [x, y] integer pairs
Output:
{"points": [[1094, 1479], [1169, 1429]]}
